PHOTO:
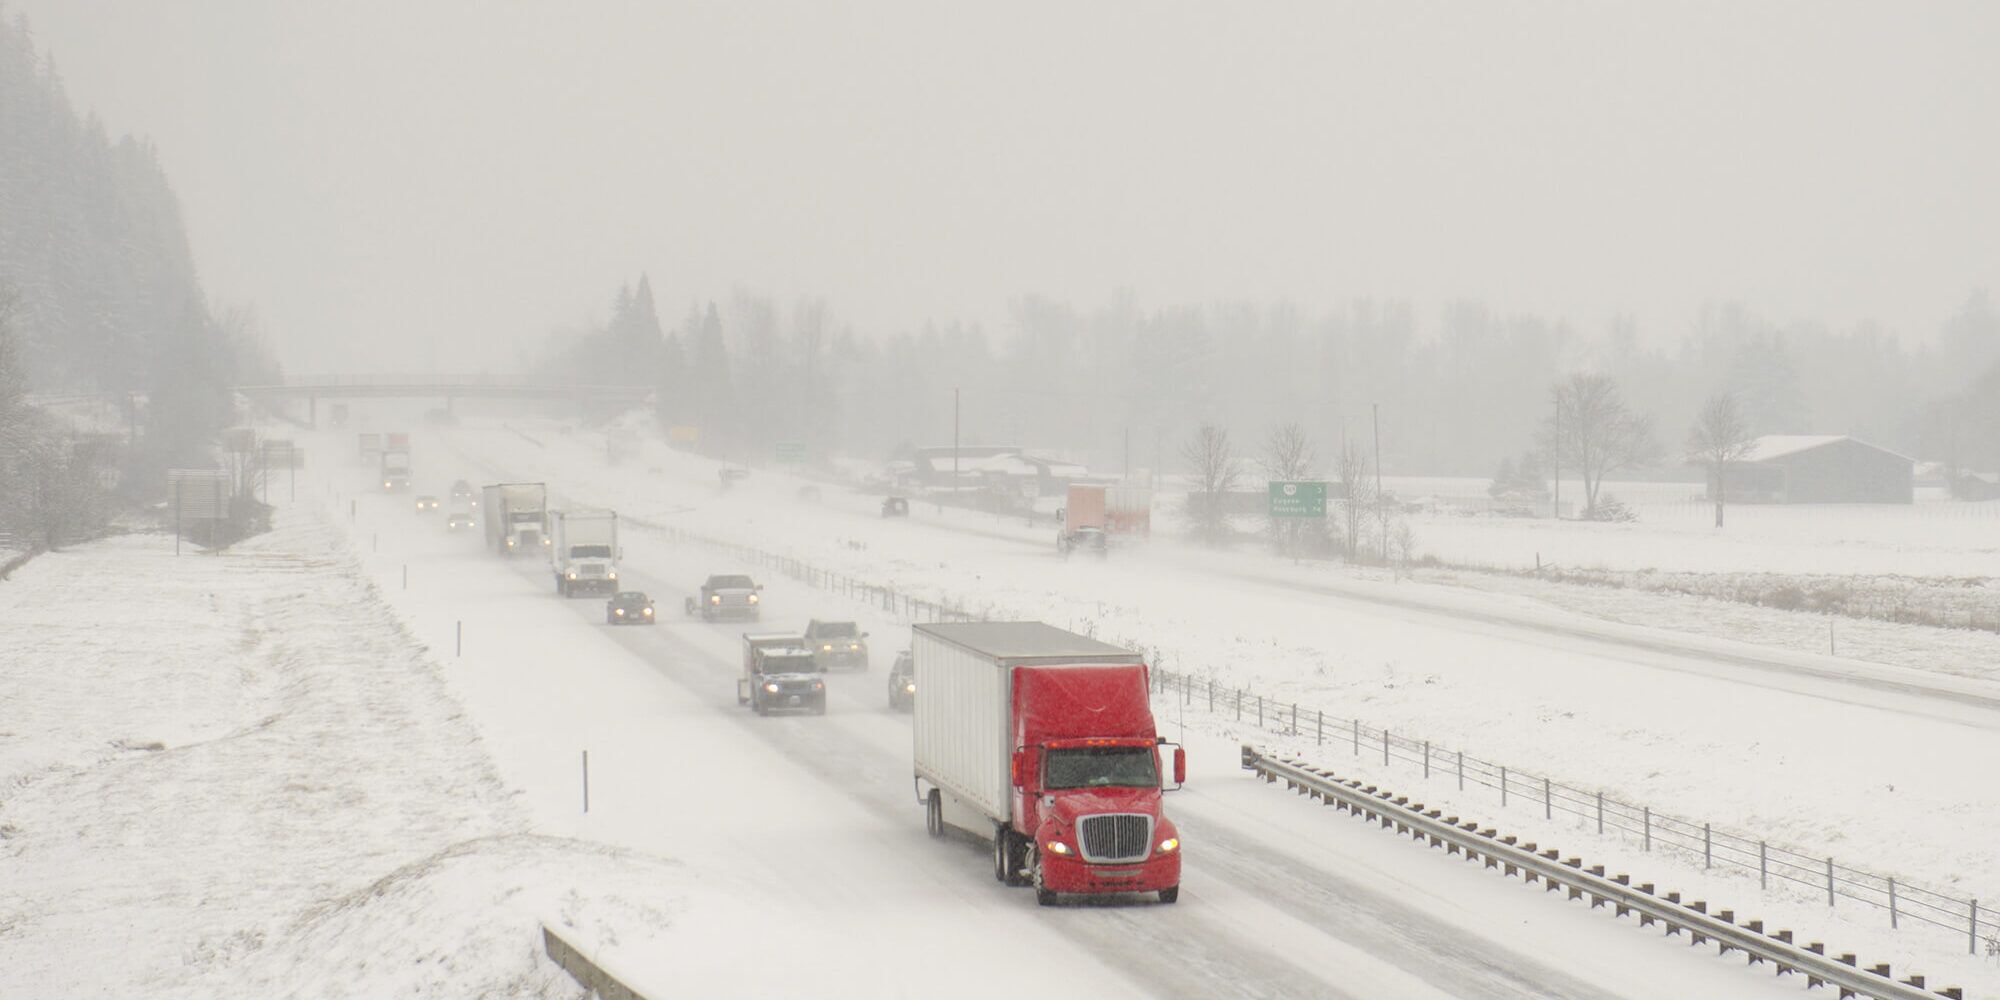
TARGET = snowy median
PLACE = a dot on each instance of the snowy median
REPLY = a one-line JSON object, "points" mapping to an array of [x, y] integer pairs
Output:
{"points": [[238, 775]]}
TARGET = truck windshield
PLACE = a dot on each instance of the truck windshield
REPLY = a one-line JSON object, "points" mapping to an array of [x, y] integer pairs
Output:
{"points": [[590, 552], [1102, 767]]}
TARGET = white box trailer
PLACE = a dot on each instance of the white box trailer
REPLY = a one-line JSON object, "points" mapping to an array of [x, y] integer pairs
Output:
{"points": [[515, 515]]}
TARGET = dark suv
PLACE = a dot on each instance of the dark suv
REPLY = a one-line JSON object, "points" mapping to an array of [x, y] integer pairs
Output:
{"points": [[837, 645]]}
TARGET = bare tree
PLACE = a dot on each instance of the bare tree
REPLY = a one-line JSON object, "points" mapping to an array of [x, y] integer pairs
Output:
{"points": [[1720, 436], [1595, 432], [1288, 457], [1357, 494], [1216, 469]]}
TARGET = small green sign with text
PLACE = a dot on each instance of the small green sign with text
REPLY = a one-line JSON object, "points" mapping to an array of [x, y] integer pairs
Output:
{"points": [[1298, 499], [791, 452]]}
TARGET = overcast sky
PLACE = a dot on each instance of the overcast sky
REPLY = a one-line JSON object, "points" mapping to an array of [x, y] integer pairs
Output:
{"points": [[439, 177]]}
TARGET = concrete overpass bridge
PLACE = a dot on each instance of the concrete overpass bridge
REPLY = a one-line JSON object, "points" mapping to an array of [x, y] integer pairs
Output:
{"points": [[310, 389]]}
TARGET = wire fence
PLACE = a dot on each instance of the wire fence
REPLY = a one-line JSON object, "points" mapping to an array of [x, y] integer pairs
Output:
{"points": [[1634, 823], [1774, 863]]}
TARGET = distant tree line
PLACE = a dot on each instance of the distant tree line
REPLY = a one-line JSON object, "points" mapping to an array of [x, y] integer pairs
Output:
{"points": [[98, 296], [1122, 385]]}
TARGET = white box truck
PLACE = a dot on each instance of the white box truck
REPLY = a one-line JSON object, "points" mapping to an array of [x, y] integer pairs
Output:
{"points": [[583, 551], [515, 516], [1043, 741]]}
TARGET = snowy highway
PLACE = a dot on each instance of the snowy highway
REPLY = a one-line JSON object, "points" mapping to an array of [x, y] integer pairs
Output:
{"points": [[1282, 899]]}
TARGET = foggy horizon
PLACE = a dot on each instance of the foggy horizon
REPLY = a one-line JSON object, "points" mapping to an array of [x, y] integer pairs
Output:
{"points": [[446, 179]]}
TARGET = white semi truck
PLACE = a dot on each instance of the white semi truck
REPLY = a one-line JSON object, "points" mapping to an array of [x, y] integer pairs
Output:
{"points": [[515, 516], [583, 551]]}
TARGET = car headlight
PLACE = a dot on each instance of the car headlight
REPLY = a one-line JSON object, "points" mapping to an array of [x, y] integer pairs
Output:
{"points": [[545, 540], [1170, 845], [510, 543], [611, 576], [854, 647], [910, 688], [715, 598], [648, 611], [1056, 847], [572, 574], [772, 688], [753, 598], [620, 612], [826, 648]]}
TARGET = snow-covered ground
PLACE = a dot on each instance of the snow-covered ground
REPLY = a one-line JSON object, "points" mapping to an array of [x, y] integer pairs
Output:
{"points": [[338, 804], [1825, 763]]}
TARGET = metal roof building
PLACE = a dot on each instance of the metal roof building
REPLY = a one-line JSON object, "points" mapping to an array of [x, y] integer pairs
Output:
{"points": [[1799, 468]]}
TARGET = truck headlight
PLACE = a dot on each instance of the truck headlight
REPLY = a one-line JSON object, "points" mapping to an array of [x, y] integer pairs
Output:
{"points": [[1170, 845], [854, 647], [910, 688], [828, 648], [753, 598], [772, 688], [648, 611], [620, 612], [715, 598], [612, 576], [1056, 847], [572, 574]]}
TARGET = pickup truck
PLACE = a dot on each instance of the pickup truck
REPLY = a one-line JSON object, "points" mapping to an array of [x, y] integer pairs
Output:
{"points": [[837, 645]]}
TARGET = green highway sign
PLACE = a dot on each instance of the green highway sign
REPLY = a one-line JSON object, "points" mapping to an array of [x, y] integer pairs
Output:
{"points": [[1298, 499], [791, 452]]}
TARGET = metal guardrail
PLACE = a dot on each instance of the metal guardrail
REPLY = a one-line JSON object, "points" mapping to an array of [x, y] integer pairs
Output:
{"points": [[585, 970], [1901, 899], [1556, 872]]}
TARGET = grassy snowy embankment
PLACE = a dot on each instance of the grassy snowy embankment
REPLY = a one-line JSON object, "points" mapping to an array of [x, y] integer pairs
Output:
{"points": [[237, 775]]}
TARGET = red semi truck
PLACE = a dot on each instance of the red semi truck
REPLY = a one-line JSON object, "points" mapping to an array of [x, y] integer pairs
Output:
{"points": [[1043, 741]]}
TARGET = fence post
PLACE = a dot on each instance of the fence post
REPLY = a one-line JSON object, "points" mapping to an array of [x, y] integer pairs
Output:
{"points": [[1763, 867], [1707, 847], [1319, 729], [586, 781], [1648, 839], [458, 639], [1211, 694], [1600, 812], [1829, 881], [1357, 737], [1503, 788], [1461, 770], [1260, 711], [1239, 704], [1548, 799], [1972, 941], [1295, 718], [1427, 760], [1892, 902]]}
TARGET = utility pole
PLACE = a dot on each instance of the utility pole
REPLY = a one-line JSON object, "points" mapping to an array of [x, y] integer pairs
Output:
{"points": [[954, 443], [1556, 458], [1381, 507]]}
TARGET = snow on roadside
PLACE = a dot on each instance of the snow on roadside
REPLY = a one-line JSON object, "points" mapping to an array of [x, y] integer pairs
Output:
{"points": [[237, 775]]}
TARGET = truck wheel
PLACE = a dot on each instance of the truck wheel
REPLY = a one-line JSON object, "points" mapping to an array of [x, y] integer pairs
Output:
{"points": [[1001, 835], [934, 814], [1170, 893], [1009, 856]]}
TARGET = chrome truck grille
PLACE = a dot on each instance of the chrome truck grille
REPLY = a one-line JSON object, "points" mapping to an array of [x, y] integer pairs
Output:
{"points": [[1119, 838]]}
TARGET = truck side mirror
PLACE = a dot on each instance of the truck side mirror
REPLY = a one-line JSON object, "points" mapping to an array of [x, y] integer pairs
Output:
{"points": [[1180, 766], [1022, 768]]}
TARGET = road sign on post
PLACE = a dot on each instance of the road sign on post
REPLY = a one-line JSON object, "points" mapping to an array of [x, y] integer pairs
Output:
{"points": [[790, 452], [1298, 499]]}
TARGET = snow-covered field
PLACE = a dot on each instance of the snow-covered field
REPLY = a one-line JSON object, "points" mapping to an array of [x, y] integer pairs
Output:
{"points": [[1823, 764]]}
